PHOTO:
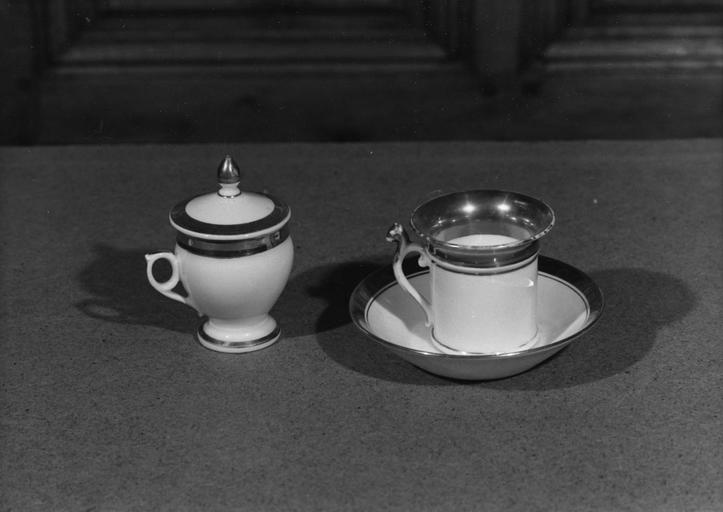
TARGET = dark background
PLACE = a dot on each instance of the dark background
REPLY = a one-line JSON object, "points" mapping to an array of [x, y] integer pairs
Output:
{"points": [[120, 71]]}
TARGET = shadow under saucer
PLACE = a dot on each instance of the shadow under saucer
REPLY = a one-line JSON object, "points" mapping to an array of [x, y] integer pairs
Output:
{"points": [[638, 303]]}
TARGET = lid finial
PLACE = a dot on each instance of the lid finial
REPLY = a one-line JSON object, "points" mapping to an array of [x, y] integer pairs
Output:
{"points": [[228, 171], [229, 177]]}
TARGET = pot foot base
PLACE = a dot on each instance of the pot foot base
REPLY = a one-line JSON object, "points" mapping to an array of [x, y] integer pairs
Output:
{"points": [[230, 346]]}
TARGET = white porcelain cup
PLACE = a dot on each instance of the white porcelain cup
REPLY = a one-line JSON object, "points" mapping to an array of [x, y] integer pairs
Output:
{"points": [[481, 248], [235, 292]]}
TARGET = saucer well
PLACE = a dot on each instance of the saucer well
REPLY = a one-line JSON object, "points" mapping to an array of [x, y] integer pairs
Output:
{"points": [[569, 303]]}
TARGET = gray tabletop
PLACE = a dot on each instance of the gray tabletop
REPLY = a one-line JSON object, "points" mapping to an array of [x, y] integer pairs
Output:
{"points": [[108, 403]]}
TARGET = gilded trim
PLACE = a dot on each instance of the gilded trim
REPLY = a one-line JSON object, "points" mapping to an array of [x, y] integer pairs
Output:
{"points": [[232, 248], [183, 220], [482, 258], [487, 271], [237, 344]]}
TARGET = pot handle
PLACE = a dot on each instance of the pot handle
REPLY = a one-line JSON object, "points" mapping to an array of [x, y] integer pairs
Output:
{"points": [[397, 234], [167, 287]]}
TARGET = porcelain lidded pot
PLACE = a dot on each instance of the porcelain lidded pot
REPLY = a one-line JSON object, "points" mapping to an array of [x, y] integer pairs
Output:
{"points": [[233, 257]]}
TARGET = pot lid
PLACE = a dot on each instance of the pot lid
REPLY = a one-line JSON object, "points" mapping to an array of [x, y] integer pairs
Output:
{"points": [[229, 213]]}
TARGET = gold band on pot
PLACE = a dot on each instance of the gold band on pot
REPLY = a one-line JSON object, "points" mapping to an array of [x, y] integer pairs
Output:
{"points": [[232, 248]]}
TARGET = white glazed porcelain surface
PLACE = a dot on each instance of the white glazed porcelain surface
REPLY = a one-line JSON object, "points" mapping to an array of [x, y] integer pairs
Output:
{"points": [[232, 288], [475, 310], [484, 313], [385, 312], [395, 317], [235, 293], [243, 208], [233, 257]]}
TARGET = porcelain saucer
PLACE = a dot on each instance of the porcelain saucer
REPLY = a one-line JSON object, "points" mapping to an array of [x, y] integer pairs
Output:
{"points": [[569, 303]]}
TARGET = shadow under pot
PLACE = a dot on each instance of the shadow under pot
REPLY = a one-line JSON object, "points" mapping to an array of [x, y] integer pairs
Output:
{"points": [[233, 257]]}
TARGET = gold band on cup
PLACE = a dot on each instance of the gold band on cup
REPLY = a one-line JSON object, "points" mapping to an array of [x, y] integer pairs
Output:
{"points": [[485, 260], [489, 270]]}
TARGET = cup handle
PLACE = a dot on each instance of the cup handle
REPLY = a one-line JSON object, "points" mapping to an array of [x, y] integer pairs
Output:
{"points": [[167, 287], [397, 234]]}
